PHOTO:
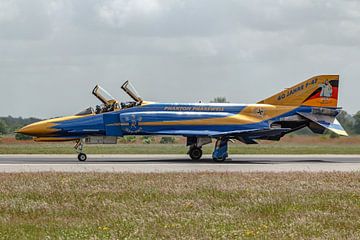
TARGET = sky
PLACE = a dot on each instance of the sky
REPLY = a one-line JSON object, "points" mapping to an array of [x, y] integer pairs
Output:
{"points": [[53, 52]]}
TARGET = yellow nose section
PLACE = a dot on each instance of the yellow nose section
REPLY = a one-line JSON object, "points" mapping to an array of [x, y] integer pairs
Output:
{"points": [[42, 128]]}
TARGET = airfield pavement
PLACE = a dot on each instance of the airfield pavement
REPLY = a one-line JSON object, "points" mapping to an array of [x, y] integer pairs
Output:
{"points": [[179, 163]]}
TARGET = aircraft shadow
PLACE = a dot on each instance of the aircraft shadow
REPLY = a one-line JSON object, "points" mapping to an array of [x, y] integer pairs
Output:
{"points": [[207, 161]]}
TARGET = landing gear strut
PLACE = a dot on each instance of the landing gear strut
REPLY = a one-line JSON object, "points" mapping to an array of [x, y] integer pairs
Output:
{"points": [[79, 148], [221, 150]]}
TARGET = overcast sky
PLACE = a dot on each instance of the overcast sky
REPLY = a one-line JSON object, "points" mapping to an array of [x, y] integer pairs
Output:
{"points": [[53, 52]]}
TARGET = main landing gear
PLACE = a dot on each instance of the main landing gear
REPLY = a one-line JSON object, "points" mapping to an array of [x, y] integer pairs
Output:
{"points": [[195, 146], [220, 153], [221, 150], [79, 148], [195, 153]]}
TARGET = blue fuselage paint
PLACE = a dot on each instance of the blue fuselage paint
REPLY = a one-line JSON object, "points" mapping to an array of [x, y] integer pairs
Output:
{"points": [[139, 120]]}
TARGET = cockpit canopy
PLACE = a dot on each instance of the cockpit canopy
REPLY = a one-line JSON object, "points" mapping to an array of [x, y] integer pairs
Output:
{"points": [[131, 91], [103, 95], [109, 103]]}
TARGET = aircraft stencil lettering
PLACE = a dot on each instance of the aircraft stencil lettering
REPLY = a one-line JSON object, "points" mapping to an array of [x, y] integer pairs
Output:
{"points": [[312, 103]]}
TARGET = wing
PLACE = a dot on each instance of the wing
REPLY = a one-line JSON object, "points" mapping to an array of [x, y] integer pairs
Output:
{"points": [[190, 133], [246, 136]]}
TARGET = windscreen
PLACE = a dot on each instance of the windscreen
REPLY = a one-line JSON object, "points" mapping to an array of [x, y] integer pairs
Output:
{"points": [[87, 111]]}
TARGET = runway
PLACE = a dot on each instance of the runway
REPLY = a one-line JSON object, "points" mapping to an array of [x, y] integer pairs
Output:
{"points": [[179, 163]]}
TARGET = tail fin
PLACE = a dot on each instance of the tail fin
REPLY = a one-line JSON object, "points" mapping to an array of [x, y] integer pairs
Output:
{"points": [[318, 91]]}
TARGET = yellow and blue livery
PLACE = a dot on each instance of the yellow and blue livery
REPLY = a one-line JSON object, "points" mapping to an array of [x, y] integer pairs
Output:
{"points": [[312, 103]]}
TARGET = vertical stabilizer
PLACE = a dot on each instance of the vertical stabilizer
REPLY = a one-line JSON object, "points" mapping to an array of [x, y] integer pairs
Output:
{"points": [[318, 91]]}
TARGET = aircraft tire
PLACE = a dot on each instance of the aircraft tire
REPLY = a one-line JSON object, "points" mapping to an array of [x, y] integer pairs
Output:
{"points": [[195, 153], [219, 159], [82, 157]]}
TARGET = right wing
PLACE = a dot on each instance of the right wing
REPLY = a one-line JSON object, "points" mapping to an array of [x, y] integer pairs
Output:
{"points": [[247, 136]]}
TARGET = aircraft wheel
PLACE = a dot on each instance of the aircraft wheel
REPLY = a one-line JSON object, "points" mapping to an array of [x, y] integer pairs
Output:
{"points": [[195, 153], [220, 159], [82, 157]]}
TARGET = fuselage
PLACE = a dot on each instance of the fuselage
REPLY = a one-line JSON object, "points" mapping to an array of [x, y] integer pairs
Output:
{"points": [[312, 103], [164, 119]]}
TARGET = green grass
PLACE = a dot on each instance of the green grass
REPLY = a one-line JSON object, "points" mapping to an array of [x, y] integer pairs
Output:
{"points": [[65, 148], [180, 206]]}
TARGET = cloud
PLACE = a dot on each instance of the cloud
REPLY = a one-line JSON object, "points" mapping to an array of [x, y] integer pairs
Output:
{"points": [[8, 11], [173, 50], [120, 12], [24, 20]]}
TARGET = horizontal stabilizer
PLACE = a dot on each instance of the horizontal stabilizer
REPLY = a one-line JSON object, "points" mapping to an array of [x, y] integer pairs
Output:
{"points": [[320, 123]]}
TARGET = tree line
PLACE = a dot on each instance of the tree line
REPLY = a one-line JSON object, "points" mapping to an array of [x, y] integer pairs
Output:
{"points": [[9, 125], [351, 123]]}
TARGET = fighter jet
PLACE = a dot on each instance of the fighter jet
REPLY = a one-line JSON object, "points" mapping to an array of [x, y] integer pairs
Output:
{"points": [[312, 103]]}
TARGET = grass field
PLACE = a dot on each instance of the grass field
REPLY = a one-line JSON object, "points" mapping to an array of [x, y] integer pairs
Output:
{"points": [[181, 206]]}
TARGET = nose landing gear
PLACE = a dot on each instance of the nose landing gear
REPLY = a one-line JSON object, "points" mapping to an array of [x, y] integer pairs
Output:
{"points": [[79, 148], [82, 157]]}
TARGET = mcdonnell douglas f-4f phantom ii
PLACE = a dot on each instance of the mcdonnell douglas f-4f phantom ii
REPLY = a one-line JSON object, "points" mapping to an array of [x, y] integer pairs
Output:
{"points": [[312, 103]]}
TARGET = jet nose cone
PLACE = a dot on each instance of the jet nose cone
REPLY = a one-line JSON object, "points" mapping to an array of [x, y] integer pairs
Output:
{"points": [[21, 130], [27, 130], [41, 128]]}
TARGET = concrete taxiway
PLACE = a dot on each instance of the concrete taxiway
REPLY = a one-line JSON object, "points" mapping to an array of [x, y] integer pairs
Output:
{"points": [[179, 163]]}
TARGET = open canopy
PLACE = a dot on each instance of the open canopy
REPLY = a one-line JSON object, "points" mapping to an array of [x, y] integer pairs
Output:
{"points": [[103, 95], [131, 91], [109, 103]]}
